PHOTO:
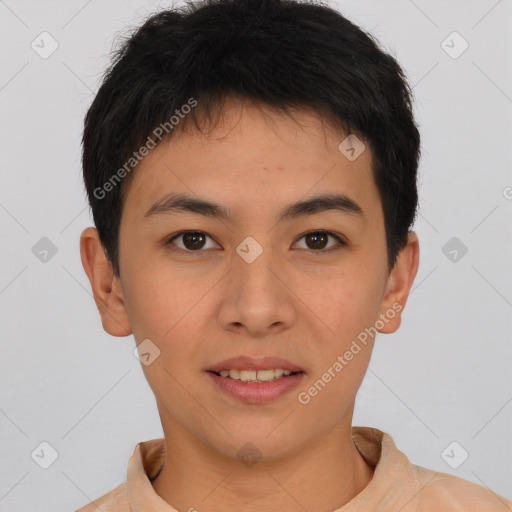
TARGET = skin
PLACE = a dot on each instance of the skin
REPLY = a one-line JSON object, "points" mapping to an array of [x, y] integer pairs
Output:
{"points": [[293, 302]]}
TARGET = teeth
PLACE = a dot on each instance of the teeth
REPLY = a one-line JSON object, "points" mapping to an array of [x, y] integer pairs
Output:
{"points": [[255, 375], [247, 375], [265, 375]]}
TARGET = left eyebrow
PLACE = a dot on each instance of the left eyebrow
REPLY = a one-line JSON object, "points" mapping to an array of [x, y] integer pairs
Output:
{"points": [[175, 203]]}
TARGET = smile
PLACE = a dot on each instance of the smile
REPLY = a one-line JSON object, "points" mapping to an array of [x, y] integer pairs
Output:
{"points": [[255, 375]]}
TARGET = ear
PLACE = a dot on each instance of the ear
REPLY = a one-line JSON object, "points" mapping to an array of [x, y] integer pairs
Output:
{"points": [[106, 287], [399, 284]]}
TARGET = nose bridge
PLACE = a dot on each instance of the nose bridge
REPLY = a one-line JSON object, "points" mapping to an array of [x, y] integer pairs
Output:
{"points": [[255, 264], [256, 296]]}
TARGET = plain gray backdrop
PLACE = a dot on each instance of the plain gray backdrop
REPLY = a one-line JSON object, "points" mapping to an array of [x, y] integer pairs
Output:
{"points": [[443, 378]]}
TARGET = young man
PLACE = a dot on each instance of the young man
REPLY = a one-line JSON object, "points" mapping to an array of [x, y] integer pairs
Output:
{"points": [[251, 168]]}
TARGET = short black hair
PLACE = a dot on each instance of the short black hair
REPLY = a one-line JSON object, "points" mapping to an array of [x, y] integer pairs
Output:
{"points": [[285, 54]]}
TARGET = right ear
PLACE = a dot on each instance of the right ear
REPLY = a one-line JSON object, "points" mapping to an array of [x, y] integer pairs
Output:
{"points": [[106, 287]]}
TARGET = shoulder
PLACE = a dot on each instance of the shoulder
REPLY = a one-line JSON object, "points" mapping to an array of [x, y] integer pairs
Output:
{"points": [[412, 488], [115, 500], [441, 491]]}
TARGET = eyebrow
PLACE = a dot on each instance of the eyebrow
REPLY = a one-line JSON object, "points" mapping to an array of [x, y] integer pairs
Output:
{"points": [[174, 203]]}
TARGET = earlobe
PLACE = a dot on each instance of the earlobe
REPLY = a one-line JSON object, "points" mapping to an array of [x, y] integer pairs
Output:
{"points": [[399, 284], [106, 287]]}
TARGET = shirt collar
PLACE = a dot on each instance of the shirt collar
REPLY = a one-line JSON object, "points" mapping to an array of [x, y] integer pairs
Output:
{"points": [[144, 465]]}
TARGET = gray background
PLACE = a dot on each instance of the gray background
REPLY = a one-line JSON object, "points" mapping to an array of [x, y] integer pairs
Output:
{"points": [[445, 376]]}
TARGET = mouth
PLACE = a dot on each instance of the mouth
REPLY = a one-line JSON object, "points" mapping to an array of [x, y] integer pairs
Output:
{"points": [[256, 368], [265, 375], [256, 380]]}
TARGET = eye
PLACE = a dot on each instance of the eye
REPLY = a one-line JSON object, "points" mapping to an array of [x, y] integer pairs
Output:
{"points": [[317, 240], [192, 241], [195, 241]]}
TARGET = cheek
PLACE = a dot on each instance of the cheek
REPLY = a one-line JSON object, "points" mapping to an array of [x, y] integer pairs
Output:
{"points": [[349, 305], [158, 301], [328, 395], [145, 309], [346, 303], [166, 309]]}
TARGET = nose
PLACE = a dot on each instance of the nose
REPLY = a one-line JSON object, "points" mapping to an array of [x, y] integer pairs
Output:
{"points": [[257, 297]]}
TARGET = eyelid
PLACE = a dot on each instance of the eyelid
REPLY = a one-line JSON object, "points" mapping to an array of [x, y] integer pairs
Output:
{"points": [[342, 242]]}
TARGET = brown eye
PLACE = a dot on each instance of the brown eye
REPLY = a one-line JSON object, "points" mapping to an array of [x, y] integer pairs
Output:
{"points": [[318, 240], [191, 241], [196, 241]]}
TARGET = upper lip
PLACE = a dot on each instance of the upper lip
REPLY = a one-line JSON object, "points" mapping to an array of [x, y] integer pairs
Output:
{"points": [[255, 363]]}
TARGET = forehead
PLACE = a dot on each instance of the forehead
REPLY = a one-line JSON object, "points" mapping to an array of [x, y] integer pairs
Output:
{"points": [[254, 155]]}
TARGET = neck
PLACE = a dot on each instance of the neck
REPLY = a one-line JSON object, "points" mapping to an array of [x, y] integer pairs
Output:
{"points": [[323, 476]]}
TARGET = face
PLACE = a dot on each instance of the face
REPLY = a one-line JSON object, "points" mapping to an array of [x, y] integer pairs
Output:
{"points": [[255, 277]]}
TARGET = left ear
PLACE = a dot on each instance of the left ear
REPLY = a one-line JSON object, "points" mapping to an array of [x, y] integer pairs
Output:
{"points": [[399, 285]]}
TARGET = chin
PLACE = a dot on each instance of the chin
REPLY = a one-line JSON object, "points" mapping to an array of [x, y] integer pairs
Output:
{"points": [[250, 444]]}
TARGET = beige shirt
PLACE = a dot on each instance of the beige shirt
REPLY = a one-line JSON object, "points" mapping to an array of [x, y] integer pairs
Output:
{"points": [[397, 485]]}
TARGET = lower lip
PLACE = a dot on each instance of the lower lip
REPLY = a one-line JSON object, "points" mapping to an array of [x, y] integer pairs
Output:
{"points": [[257, 392]]}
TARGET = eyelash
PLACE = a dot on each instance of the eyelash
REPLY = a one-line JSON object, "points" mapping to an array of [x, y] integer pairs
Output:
{"points": [[341, 241]]}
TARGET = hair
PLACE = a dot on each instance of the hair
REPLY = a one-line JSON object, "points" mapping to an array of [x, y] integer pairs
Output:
{"points": [[284, 54]]}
